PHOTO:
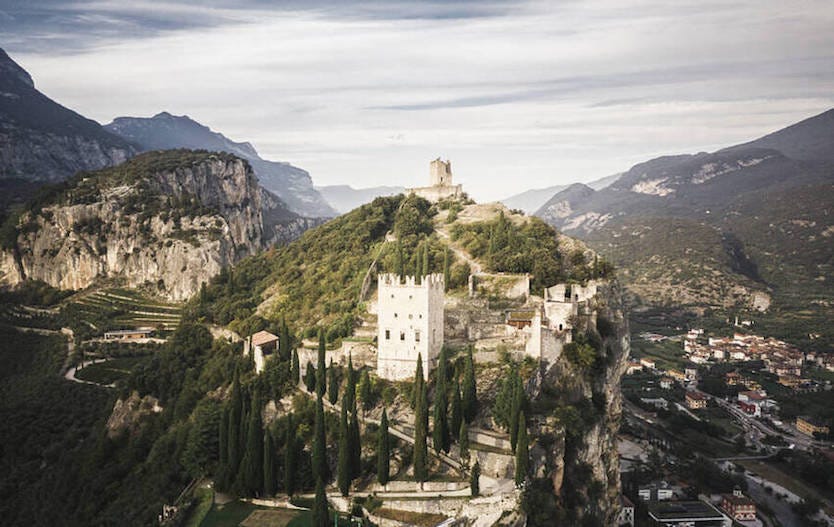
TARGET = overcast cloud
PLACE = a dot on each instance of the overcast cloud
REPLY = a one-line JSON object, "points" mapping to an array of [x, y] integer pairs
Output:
{"points": [[517, 95]]}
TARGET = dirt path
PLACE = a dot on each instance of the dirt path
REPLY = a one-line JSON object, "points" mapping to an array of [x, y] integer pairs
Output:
{"points": [[474, 266]]}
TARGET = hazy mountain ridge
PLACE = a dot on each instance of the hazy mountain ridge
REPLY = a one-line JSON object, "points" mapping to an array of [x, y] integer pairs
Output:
{"points": [[532, 200], [164, 131], [345, 198], [40, 140], [728, 229]]}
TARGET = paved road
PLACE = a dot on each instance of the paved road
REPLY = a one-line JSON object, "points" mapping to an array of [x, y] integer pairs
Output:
{"points": [[70, 375]]}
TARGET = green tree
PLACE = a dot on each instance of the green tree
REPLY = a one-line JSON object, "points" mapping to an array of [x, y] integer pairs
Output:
{"points": [[284, 340], [463, 443], [333, 389], [365, 390], [426, 259], [457, 410], [383, 450], [269, 464], [223, 441], [201, 447], [475, 479], [321, 369], [295, 368], [344, 468], [290, 449], [521, 451], [320, 443], [418, 381], [470, 394], [447, 274], [310, 377], [252, 464], [320, 514], [518, 403], [400, 262], [421, 431], [235, 411], [440, 432]]}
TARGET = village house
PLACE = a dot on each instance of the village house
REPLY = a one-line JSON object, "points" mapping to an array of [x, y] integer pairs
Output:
{"points": [[262, 345], [626, 517], [128, 334], [695, 400], [810, 426], [738, 506]]}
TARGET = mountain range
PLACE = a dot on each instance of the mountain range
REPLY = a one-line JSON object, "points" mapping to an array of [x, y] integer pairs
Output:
{"points": [[746, 228], [532, 200], [165, 131], [345, 198]]}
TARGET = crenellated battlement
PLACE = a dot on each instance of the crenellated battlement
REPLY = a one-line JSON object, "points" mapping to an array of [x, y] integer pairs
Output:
{"points": [[430, 281]]}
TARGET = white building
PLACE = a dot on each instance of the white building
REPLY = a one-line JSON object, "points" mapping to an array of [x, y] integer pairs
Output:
{"points": [[410, 324]]}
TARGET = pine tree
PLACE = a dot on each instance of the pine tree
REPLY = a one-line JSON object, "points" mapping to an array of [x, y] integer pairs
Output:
{"points": [[440, 432], [319, 443], [310, 377], [290, 456], [350, 385], [475, 479], [521, 452], [420, 433], [344, 469], [457, 410], [333, 389], [383, 451], [470, 395], [321, 368], [269, 465], [463, 443], [295, 368], [320, 513]]}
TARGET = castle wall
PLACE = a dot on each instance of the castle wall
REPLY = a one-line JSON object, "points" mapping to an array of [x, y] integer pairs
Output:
{"points": [[411, 318], [438, 192]]}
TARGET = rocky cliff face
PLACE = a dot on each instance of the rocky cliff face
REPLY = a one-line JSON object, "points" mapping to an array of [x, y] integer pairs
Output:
{"points": [[169, 219], [575, 458], [43, 141]]}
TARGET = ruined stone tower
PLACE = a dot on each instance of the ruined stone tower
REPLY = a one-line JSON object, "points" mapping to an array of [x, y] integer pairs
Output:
{"points": [[440, 178], [440, 172], [410, 323]]}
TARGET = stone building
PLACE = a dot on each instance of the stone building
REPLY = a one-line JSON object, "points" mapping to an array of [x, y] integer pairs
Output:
{"points": [[411, 318], [262, 345], [440, 179]]}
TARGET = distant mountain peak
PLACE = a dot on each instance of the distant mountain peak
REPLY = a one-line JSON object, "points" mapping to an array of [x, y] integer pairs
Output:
{"points": [[811, 139], [13, 69]]}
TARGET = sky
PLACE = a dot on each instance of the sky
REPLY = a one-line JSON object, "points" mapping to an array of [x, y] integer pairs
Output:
{"points": [[517, 95]]}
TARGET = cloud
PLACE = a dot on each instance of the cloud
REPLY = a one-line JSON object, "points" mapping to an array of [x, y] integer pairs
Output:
{"points": [[538, 93]]}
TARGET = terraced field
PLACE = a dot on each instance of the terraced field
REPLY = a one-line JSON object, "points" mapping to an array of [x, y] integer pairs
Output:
{"points": [[108, 309]]}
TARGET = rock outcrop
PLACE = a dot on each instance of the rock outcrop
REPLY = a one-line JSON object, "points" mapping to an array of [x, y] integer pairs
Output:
{"points": [[40, 140], [169, 219]]}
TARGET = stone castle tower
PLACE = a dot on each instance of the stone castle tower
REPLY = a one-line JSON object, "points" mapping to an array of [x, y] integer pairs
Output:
{"points": [[440, 179], [440, 172], [410, 323]]}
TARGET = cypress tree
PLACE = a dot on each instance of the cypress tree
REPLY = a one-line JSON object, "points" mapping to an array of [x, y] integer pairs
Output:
{"points": [[355, 444], [321, 368], [365, 390], [344, 469], [470, 395], [333, 389], [320, 514], [310, 377], [447, 274], [418, 381], [269, 464], [284, 340], [223, 442], [290, 456], [426, 259], [457, 410], [475, 479], [233, 436], [252, 464], [521, 452], [440, 432], [350, 386], [295, 368], [517, 406], [319, 443], [383, 450], [418, 264], [420, 432], [400, 262], [463, 443]]}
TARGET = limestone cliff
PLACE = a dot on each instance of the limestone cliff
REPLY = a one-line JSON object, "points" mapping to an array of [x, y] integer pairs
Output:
{"points": [[168, 219], [575, 456]]}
